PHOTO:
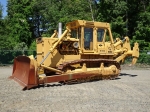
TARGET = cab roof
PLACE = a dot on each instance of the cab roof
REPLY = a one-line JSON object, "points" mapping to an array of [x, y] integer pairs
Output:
{"points": [[78, 23]]}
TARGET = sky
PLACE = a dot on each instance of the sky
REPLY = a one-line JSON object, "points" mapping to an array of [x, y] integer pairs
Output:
{"points": [[4, 3]]}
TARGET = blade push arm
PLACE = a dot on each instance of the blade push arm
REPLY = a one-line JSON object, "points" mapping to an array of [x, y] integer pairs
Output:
{"points": [[123, 50]]}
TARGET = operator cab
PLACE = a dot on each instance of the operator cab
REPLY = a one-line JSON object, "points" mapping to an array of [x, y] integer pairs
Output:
{"points": [[91, 35]]}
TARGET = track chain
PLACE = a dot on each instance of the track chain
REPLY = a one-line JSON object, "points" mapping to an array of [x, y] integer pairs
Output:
{"points": [[68, 64]]}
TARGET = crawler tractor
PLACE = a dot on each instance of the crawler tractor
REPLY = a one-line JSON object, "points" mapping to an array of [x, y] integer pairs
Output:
{"points": [[85, 51]]}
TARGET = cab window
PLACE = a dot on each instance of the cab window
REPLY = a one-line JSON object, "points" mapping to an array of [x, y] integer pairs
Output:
{"points": [[74, 33], [88, 37], [100, 35]]}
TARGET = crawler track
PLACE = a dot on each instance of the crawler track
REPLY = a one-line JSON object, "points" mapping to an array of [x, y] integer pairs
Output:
{"points": [[107, 62]]}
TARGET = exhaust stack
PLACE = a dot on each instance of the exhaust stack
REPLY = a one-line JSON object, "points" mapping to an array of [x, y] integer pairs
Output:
{"points": [[59, 29]]}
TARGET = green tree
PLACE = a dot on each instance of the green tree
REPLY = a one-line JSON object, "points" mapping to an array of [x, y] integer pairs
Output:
{"points": [[141, 31], [49, 13], [1, 10], [114, 12], [19, 13], [5, 42], [4, 39]]}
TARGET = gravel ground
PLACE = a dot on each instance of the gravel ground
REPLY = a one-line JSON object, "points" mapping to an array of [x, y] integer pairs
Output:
{"points": [[129, 93]]}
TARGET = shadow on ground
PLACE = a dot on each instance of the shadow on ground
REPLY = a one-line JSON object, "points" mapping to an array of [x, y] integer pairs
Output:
{"points": [[46, 85], [61, 83], [125, 74]]}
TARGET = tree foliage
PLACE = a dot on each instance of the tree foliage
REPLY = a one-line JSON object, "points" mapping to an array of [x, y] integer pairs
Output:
{"points": [[5, 41], [49, 13], [114, 12], [19, 13], [29, 19], [142, 27]]}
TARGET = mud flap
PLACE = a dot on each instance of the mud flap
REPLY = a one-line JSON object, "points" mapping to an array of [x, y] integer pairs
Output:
{"points": [[25, 72]]}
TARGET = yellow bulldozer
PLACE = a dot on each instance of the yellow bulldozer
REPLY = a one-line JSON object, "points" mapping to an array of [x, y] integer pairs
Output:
{"points": [[85, 51]]}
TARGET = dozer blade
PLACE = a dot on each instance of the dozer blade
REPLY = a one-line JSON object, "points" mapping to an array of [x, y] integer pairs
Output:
{"points": [[25, 72]]}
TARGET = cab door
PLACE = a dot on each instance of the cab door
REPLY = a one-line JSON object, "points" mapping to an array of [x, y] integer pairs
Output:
{"points": [[88, 38]]}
